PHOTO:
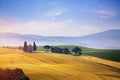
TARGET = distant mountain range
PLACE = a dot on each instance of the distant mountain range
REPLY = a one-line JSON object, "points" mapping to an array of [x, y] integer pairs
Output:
{"points": [[107, 40]]}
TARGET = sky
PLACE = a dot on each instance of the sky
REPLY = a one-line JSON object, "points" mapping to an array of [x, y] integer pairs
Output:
{"points": [[59, 17]]}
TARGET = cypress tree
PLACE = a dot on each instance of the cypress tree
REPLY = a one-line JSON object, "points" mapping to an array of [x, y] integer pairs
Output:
{"points": [[34, 46], [25, 46]]}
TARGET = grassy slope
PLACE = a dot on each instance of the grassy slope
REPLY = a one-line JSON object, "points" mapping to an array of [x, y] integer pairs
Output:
{"points": [[101, 53], [49, 66]]}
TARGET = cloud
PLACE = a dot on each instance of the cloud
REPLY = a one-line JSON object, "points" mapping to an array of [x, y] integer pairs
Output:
{"points": [[56, 12], [35, 27], [52, 28], [106, 13], [7, 20]]}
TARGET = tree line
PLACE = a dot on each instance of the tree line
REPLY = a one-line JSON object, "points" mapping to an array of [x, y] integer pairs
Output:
{"points": [[32, 48], [75, 51]]}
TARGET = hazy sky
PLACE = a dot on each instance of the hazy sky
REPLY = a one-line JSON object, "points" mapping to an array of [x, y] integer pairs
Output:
{"points": [[59, 17]]}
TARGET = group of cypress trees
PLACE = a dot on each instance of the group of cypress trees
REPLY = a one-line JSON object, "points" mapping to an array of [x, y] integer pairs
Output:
{"points": [[29, 48]]}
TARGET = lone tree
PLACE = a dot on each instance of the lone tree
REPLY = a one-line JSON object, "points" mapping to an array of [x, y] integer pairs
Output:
{"points": [[65, 51], [34, 47], [47, 47], [25, 46], [77, 51]]}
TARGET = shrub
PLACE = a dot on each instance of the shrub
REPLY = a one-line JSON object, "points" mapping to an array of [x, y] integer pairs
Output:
{"points": [[57, 50], [15, 74], [65, 51], [76, 51], [47, 47]]}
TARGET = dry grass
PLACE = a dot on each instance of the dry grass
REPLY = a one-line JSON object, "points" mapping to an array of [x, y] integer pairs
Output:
{"points": [[49, 66]]}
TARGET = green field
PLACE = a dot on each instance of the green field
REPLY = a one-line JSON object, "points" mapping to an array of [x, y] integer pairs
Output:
{"points": [[109, 54]]}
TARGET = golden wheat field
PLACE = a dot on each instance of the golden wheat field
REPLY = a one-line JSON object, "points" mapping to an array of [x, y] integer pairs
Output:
{"points": [[51, 66]]}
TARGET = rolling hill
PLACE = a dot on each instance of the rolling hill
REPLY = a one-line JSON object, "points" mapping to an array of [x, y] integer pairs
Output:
{"points": [[108, 54], [107, 40], [51, 66]]}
